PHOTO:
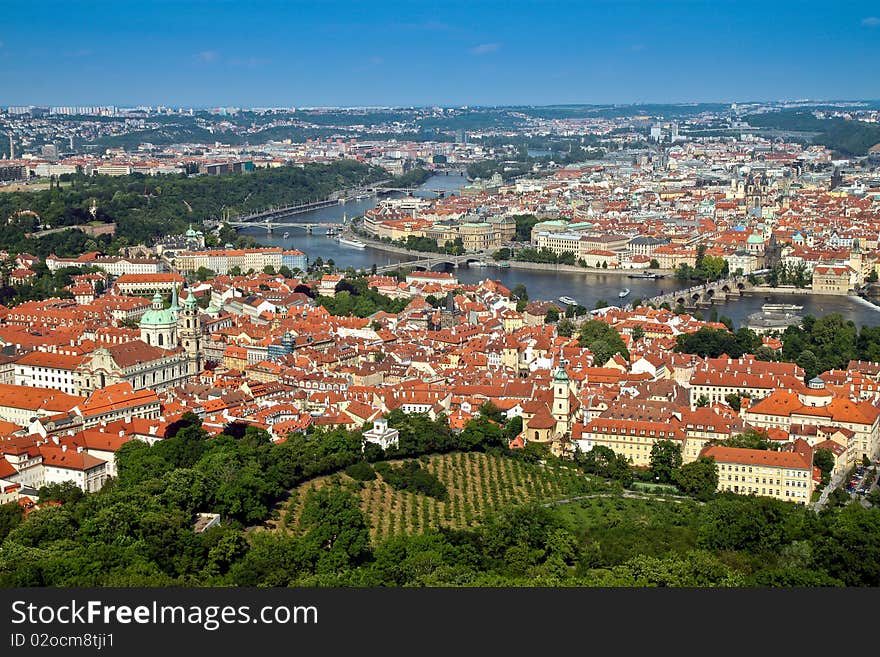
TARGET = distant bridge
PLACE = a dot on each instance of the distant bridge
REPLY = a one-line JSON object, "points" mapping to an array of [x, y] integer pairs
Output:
{"points": [[411, 190], [703, 295], [427, 264], [270, 226], [336, 198]]}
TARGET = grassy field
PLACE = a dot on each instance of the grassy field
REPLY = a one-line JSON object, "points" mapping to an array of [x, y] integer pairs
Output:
{"points": [[476, 482], [31, 187]]}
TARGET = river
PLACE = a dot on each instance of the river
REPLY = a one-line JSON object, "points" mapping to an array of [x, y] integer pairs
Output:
{"points": [[587, 288]]}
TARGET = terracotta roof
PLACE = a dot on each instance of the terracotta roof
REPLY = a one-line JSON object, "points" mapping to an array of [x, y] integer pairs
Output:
{"points": [[763, 457]]}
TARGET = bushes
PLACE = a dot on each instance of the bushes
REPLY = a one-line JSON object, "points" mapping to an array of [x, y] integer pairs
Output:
{"points": [[412, 478], [361, 471]]}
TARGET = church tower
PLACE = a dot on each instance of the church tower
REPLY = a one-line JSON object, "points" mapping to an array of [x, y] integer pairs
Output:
{"points": [[561, 399], [189, 332], [856, 262]]}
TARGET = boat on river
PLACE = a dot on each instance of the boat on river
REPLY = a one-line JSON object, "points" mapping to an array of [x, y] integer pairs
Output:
{"points": [[568, 300], [357, 244], [624, 292]]}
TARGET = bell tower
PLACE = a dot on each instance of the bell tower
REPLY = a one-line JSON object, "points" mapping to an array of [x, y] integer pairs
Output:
{"points": [[189, 331], [561, 399]]}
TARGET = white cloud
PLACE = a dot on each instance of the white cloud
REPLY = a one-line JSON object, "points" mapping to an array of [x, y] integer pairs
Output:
{"points": [[208, 56], [870, 21], [485, 48]]}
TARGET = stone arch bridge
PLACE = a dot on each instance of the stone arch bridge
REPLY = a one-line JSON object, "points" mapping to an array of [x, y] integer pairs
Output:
{"points": [[703, 295]]}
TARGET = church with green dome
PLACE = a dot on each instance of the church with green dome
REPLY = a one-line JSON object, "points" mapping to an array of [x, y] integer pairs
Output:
{"points": [[175, 326]]}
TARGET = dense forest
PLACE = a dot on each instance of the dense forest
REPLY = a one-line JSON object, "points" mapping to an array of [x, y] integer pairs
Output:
{"points": [[848, 137], [145, 207]]}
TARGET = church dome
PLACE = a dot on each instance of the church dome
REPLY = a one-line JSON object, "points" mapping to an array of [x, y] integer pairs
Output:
{"points": [[156, 317]]}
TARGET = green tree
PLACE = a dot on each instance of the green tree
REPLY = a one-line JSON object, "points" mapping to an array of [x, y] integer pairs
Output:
{"points": [[699, 478], [638, 333], [565, 328], [734, 400], [654, 264], [66, 492], [10, 518], [702, 401], [335, 531], [824, 460], [552, 315], [665, 460], [492, 412], [603, 340]]}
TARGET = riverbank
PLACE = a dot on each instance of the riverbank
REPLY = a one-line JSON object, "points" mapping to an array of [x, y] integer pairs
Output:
{"points": [[798, 291], [576, 269], [513, 264]]}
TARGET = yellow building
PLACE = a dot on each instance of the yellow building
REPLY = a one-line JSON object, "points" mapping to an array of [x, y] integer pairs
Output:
{"points": [[787, 476], [632, 438], [235, 358], [831, 279]]}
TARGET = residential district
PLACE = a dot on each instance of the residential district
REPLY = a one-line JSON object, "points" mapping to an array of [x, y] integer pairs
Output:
{"points": [[138, 340]]}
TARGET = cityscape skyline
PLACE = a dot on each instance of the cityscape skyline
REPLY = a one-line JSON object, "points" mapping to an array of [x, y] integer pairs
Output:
{"points": [[347, 54]]}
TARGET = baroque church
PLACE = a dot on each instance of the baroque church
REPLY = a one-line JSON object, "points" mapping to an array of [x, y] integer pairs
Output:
{"points": [[549, 417], [168, 354]]}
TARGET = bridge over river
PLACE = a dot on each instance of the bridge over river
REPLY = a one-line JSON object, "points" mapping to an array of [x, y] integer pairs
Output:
{"points": [[706, 294]]}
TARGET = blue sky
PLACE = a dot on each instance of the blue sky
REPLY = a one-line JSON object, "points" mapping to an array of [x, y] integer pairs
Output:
{"points": [[271, 53]]}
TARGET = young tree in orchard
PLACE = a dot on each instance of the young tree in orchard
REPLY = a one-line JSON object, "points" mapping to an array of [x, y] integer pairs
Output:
{"points": [[665, 460]]}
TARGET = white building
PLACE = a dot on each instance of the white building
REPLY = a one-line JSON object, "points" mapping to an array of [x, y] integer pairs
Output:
{"points": [[381, 434]]}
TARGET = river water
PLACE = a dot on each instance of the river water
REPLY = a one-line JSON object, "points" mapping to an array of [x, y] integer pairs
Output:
{"points": [[587, 288]]}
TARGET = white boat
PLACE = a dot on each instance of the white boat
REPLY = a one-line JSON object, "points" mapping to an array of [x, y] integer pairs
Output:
{"points": [[623, 292], [780, 308], [353, 243], [286, 234], [478, 263], [568, 300]]}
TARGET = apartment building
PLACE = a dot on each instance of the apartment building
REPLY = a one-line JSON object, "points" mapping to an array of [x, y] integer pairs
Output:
{"points": [[786, 476], [632, 438]]}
